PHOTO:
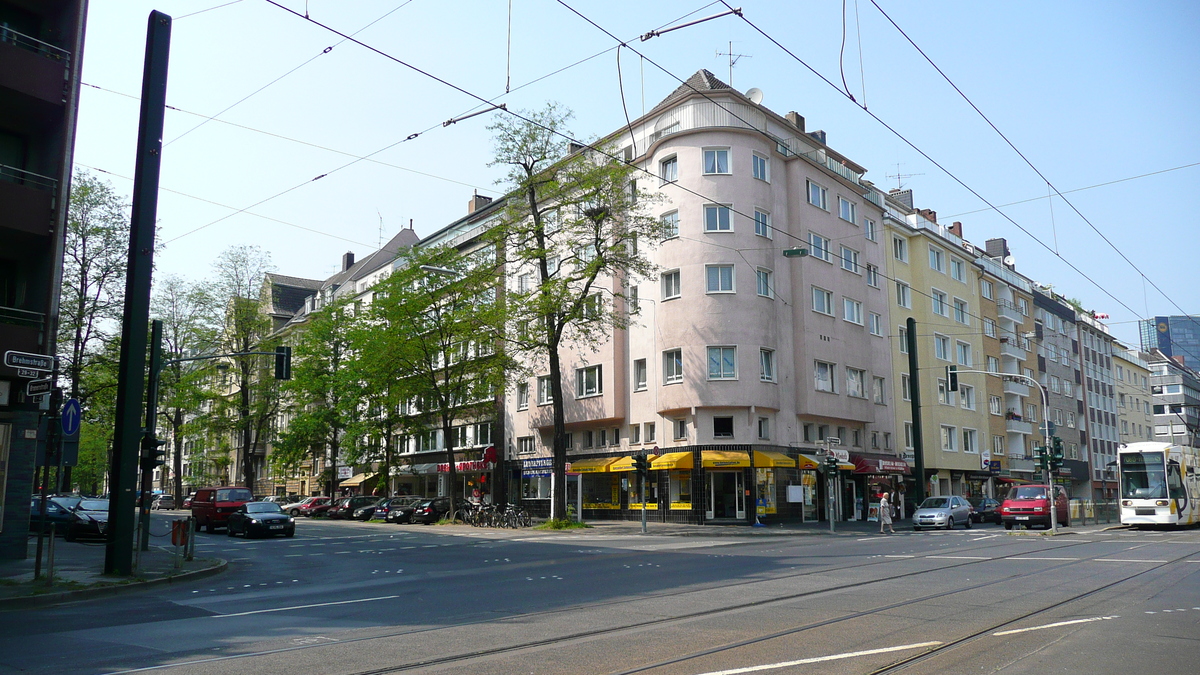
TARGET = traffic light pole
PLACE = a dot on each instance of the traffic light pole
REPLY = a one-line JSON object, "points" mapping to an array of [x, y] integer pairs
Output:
{"points": [[149, 434]]}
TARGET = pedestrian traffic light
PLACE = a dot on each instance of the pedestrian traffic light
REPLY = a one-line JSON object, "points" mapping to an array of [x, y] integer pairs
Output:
{"points": [[283, 362], [952, 377], [153, 452]]}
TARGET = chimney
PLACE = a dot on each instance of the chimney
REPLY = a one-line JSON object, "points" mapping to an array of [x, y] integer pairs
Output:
{"points": [[347, 260], [818, 135], [997, 248], [956, 229], [477, 202], [929, 214], [573, 147], [902, 196], [796, 119]]}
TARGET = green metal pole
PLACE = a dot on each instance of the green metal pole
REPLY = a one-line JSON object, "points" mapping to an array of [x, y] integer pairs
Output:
{"points": [[914, 394]]}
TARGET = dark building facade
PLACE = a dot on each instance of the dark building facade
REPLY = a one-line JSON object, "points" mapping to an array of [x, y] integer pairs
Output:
{"points": [[1177, 337], [41, 45]]}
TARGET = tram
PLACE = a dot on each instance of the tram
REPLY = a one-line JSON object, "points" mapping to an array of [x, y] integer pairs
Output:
{"points": [[1160, 484]]}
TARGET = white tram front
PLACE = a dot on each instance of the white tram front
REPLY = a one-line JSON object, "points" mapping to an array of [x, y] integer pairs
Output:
{"points": [[1159, 484]]}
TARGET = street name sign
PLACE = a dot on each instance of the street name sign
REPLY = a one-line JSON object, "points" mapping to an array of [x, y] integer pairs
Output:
{"points": [[14, 359], [39, 387]]}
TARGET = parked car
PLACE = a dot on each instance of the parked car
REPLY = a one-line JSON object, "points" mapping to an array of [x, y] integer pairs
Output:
{"points": [[292, 508], [211, 506], [163, 502], [58, 514], [942, 512], [431, 510], [88, 519], [318, 507], [400, 510], [986, 510], [187, 502], [275, 499], [345, 508], [260, 519], [1029, 505], [377, 510]]}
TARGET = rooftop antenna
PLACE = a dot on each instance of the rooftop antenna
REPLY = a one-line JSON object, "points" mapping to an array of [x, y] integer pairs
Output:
{"points": [[733, 59], [901, 176], [380, 228]]}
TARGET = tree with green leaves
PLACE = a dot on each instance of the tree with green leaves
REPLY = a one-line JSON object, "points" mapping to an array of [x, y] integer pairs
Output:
{"points": [[578, 224]]}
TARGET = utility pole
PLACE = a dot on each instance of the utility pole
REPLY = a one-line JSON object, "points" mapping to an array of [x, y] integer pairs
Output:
{"points": [[914, 395]]}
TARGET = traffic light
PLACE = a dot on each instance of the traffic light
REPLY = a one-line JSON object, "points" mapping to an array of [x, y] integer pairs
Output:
{"points": [[1056, 453], [283, 362], [641, 464], [952, 377], [153, 452], [831, 462]]}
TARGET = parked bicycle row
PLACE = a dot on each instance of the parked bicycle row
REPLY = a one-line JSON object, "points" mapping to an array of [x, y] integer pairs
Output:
{"points": [[492, 515]]}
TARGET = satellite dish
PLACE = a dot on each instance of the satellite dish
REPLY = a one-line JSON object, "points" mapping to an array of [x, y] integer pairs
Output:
{"points": [[755, 95], [1009, 260]]}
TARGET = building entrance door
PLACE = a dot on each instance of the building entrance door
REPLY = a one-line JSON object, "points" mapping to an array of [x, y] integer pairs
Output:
{"points": [[725, 495]]}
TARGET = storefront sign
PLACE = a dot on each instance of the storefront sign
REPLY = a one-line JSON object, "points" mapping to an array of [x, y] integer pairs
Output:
{"points": [[469, 465], [994, 466], [893, 466]]}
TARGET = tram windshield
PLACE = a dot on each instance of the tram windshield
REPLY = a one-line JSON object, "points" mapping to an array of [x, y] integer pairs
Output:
{"points": [[1143, 476]]}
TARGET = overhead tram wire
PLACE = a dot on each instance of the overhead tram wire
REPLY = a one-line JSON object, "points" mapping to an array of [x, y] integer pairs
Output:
{"points": [[949, 173], [1026, 159]]}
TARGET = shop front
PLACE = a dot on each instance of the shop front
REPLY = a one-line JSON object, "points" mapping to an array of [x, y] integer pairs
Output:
{"points": [[874, 474], [474, 478]]}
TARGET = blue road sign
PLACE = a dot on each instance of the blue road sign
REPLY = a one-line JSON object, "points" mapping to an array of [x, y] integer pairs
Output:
{"points": [[70, 417]]}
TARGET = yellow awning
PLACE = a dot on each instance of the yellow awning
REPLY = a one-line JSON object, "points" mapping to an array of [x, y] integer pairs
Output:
{"points": [[597, 465], [809, 463], [673, 460], [842, 466], [766, 459], [355, 480], [723, 459], [626, 463]]}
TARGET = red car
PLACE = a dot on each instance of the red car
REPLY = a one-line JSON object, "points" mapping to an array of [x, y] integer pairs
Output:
{"points": [[314, 506], [1029, 505], [212, 506]]}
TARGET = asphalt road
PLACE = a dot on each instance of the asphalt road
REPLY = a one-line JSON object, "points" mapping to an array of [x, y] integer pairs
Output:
{"points": [[356, 598]]}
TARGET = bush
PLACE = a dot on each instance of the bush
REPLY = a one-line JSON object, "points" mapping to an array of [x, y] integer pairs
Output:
{"points": [[562, 524]]}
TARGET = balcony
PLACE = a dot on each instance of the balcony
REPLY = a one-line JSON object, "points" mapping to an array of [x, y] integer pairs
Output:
{"points": [[1008, 347], [1015, 426], [1009, 311], [1016, 388], [32, 67], [1021, 464]]}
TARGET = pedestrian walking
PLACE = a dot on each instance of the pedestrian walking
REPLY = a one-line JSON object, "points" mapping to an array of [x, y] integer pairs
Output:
{"points": [[885, 514]]}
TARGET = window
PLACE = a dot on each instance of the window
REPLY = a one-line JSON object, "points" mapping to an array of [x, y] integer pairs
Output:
{"points": [[524, 283], [1070, 420], [722, 427], [945, 396], [903, 340], [850, 260], [997, 445], [522, 396], [648, 431], [718, 278], [900, 249], [939, 303], [941, 347], [969, 442], [878, 391], [908, 436], [847, 210], [949, 435], [1031, 412], [593, 305], [958, 270], [856, 382], [615, 439], [764, 428], [852, 311], [903, 295], [635, 434], [716, 160], [819, 247], [670, 224], [964, 354], [762, 223], [872, 276], [818, 196], [760, 167], [672, 366], [962, 313], [722, 363], [937, 259], [905, 390], [985, 289], [875, 322], [544, 393], [766, 365], [681, 430], [823, 374], [822, 301], [525, 445], [1023, 306], [716, 218], [670, 284], [668, 169], [995, 403], [601, 438], [966, 394], [631, 300], [989, 327], [869, 229], [588, 381], [765, 283], [993, 364], [639, 375]]}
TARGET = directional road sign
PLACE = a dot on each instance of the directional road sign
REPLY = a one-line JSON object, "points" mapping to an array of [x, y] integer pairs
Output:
{"points": [[39, 387], [14, 359], [70, 417]]}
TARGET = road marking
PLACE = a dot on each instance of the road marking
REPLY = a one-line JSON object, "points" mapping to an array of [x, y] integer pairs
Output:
{"points": [[1127, 560], [820, 659], [899, 556], [319, 604], [1040, 558], [294, 555], [958, 557], [1055, 625]]}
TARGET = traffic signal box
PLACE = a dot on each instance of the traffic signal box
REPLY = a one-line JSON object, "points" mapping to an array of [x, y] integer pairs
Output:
{"points": [[153, 452], [641, 464], [831, 462], [952, 377], [283, 362]]}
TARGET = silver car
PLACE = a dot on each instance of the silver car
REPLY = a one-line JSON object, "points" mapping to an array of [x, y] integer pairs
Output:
{"points": [[942, 512]]}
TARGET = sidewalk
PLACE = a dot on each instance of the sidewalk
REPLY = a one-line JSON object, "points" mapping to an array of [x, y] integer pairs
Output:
{"points": [[79, 573], [856, 528]]}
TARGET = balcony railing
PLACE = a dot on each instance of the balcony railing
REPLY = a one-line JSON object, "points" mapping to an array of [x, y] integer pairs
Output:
{"points": [[21, 317], [1010, 348], [12, 174], [32, 44], [1011, 387], [1009, 311], [1014, 426]]}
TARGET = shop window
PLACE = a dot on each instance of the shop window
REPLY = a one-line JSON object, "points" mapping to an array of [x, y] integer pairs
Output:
{"points": [[681, 489]]}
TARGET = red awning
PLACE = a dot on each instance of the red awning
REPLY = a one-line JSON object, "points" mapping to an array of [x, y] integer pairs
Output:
{"points": [[878, 464], [1018, 481]]}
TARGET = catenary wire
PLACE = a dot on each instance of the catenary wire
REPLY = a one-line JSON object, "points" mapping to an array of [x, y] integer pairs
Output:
{"points": [[180, 18]]}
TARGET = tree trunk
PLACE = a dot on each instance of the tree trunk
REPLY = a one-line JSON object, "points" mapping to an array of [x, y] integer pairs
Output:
{"points": [[558, 495], [451, 472], [177, 437], [244, 414]]}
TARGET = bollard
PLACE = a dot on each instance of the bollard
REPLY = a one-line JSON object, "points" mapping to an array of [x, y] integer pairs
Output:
{"points": [[50, 558], [189, 545]]}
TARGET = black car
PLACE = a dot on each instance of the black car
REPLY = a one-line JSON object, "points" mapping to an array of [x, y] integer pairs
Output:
{"points": [[58, 513], [376, 510], [346, 507], [400, 510], [88, 519], [260, 519], [986, 510], [431, 510]]}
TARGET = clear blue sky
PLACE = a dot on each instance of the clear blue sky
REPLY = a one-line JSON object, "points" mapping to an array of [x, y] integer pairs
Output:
{"points": [[1091, 92]]}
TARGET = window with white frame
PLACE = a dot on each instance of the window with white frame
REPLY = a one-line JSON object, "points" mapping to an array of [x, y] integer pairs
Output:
{"points": [[1031, 414], [680, 430], [632, 304], [993, 364], [525, 445], [544, 393], [716, 160], [908, 436], [766, 365], [949, 436], [760, 167], [958, 269], [847, 210], [989, 327], [997, 445], [764, 428], [905, 387], [1023, 306], [717, 218], [995, 405], [670, 224], [522, 396], [762, 223], [589, 381], [941, 347], [822, 301], [823, 375], [970, 442], [852, 311], [639, 375], [903, 295], [524, 283], [670, 284], [945, 396], [818, 196], [938, 300], [668, 169], [870, 230], [856, 382], [722, 427], [872, 276], [878, 390], [718, 278], [964, 354], [850, 260], [635, 434], [875, 322], [765, 282], [900, 249], [1070, 420], [722, 363], [937, 259], [819, 247], [903, 339], [966, 396], [962, 313], [672, 366], [648, 432], [985, 289]]}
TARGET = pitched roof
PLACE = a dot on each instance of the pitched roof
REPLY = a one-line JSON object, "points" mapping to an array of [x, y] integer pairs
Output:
{"points": [[702, 80], [288, 293]]}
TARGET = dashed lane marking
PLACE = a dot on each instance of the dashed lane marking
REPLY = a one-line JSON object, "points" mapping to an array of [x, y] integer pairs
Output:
{"points": [[821, 659], [1054, 625]]}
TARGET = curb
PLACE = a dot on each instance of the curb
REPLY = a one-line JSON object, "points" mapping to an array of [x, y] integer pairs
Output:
{"points": [[25, 601]]}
